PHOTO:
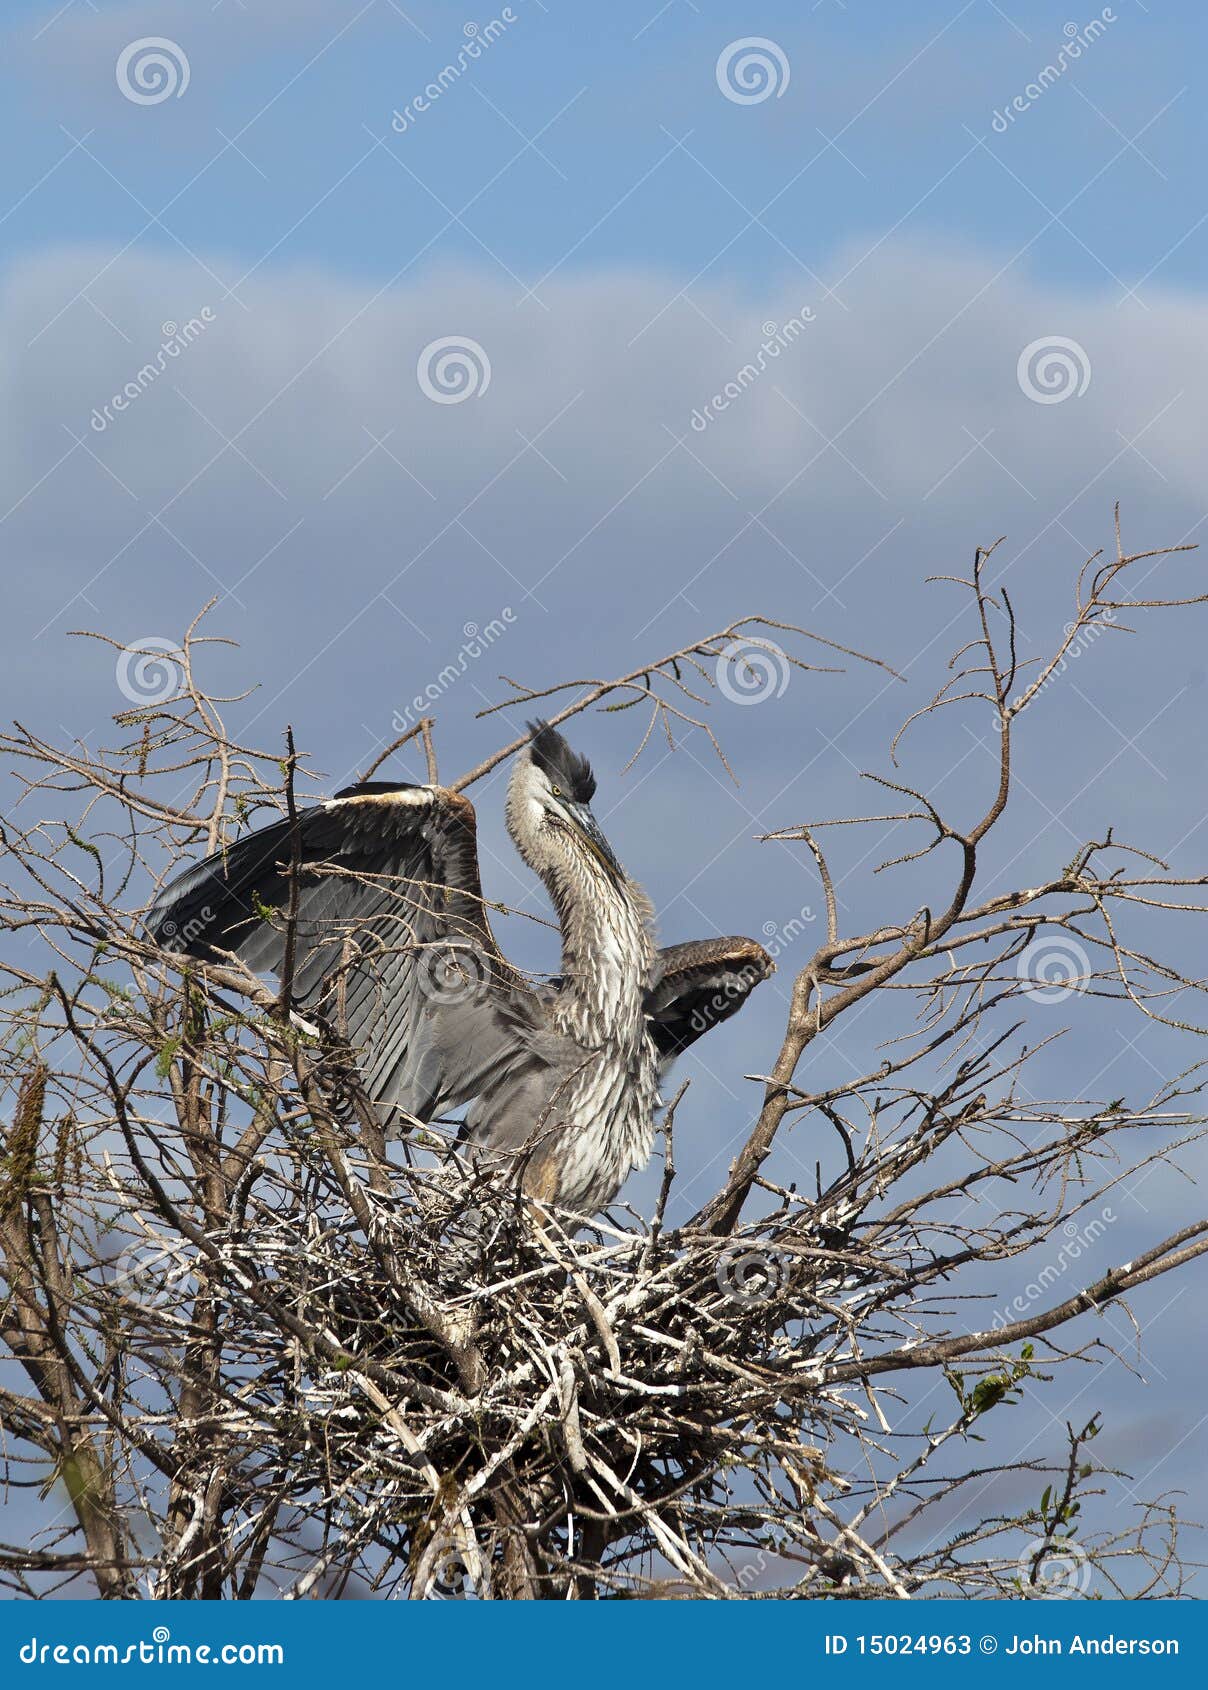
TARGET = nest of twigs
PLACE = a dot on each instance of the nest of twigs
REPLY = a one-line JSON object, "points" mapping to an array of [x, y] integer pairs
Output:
{"points": [[393, 1369]]}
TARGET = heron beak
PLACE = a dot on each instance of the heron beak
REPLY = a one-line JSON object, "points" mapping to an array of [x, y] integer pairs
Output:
{"points": [[587, 827]]}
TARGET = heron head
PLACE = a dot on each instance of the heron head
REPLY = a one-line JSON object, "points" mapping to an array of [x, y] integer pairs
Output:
{"points": [[552, 787]]}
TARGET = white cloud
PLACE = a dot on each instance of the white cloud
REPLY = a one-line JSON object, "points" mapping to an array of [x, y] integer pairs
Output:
{"points": [[921, 363]]}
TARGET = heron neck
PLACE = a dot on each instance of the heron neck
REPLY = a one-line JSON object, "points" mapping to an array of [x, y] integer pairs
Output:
{"points": [[606, 959]]}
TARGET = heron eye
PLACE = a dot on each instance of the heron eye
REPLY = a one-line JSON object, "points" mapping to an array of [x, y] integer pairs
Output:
{"points": [[557, 791]]}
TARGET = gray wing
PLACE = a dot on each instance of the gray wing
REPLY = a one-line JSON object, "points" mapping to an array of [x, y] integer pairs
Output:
{"points": [[393, 946], [698, 985]]}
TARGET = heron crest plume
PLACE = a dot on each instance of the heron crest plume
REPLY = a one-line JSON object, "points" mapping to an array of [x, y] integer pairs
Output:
{"points": [[560, 765]]}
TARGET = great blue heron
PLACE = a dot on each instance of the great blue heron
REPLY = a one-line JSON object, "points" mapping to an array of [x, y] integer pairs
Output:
{"points": [[393, 946]]}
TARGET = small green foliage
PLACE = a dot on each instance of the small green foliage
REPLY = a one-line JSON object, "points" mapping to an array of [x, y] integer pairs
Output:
{"points": [[266, 912], [992, 1388], [87, 845], [989, 1392], [163, 1062]]}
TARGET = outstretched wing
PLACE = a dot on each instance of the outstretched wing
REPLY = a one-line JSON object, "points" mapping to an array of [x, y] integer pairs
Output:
{"points": [[392, 946], [698, 985]]}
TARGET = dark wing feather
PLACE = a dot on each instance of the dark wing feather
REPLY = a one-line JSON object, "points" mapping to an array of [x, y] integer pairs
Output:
{"points": [[698, 985], [393, 945]]}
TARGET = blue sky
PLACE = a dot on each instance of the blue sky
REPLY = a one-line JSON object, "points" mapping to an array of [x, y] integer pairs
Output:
{"points": [[901, 94], [615, 234]]}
